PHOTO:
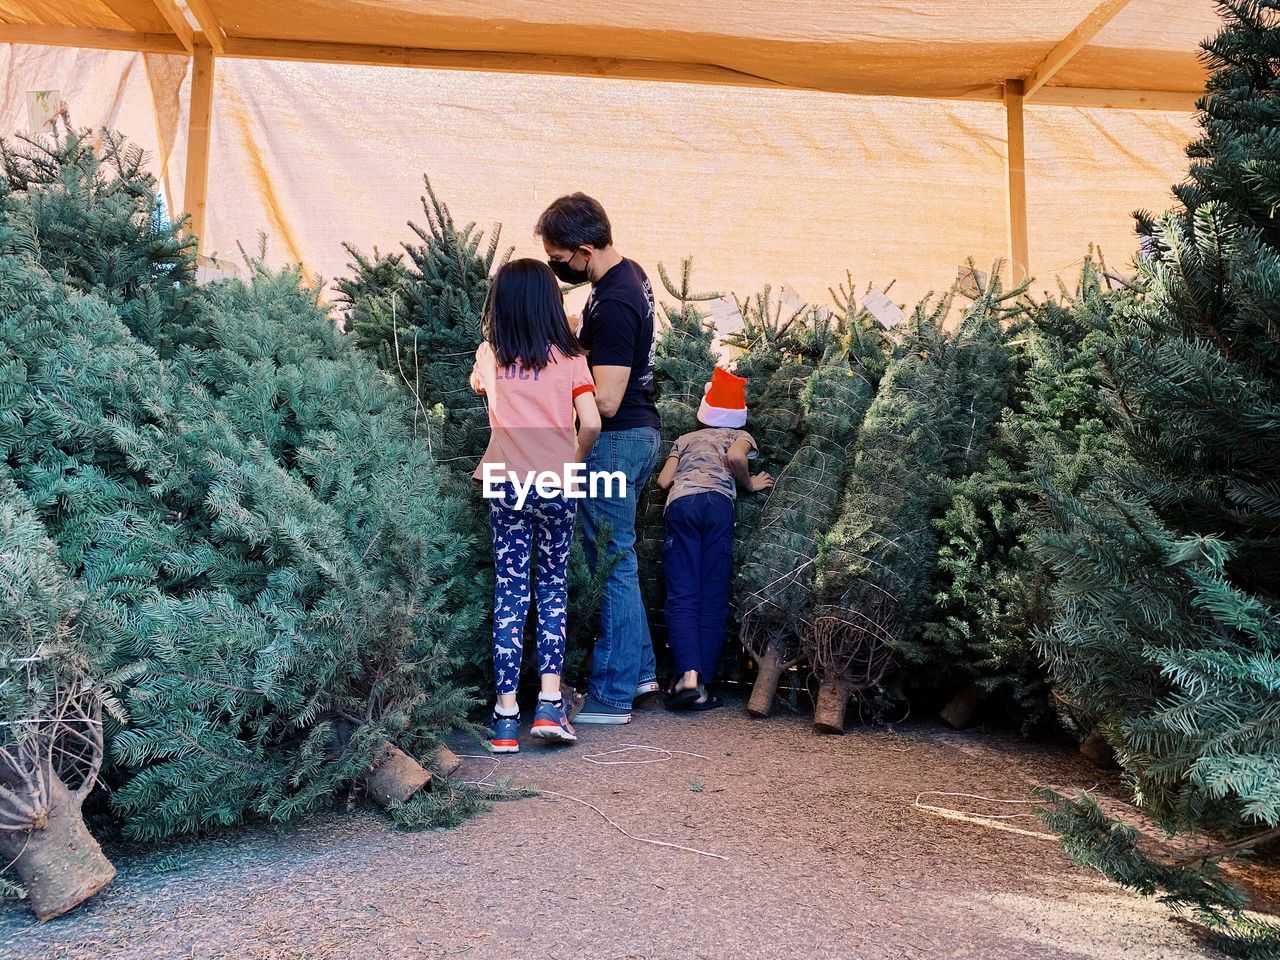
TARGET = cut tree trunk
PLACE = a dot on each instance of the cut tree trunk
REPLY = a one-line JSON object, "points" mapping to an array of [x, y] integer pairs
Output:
{"points": [[395, 777], [960, 711], [1098, 751], [769, 670], [59, 862], [446, 761], [833, 698]]}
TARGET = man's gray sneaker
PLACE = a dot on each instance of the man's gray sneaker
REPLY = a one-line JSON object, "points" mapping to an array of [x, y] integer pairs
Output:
{"points": [[645, 691], [593, 711]]}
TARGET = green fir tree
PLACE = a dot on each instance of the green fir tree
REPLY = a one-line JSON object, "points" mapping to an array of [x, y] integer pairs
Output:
{"points": [[271, 569], [421, 319], [992, 591], [931, 423], [1168, 633], [774, 584]]}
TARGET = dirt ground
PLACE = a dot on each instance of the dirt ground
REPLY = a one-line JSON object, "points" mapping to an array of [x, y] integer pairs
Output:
{"points": [[825, 856]]}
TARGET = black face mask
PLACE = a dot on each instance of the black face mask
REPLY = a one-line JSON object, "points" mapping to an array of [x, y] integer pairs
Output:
{"points": [[566, 273]]}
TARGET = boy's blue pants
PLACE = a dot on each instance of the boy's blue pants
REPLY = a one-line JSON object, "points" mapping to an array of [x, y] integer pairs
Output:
{"points": [[698, 558]]}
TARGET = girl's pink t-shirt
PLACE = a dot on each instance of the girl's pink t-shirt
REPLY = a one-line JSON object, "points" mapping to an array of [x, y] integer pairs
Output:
{"points": [[531, 416]]}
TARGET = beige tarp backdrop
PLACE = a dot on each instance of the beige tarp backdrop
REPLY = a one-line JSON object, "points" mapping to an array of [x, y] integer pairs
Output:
{"points": [[759, 185]]}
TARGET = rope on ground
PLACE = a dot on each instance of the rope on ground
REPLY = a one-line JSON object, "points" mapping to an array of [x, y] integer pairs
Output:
{"points": [[483, 781], [993, 821], [596, 758], [657, 843], [632, 748]]}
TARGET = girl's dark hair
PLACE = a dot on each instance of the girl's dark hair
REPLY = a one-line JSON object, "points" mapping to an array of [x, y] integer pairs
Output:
{"points": [[524, 316]]}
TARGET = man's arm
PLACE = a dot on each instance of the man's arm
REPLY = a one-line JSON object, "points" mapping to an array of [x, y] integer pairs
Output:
{"points": [[611, 384], [615, 327]]}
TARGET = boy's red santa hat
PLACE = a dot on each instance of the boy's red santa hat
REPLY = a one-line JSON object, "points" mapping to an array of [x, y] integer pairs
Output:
{"points": [[724, 401]]}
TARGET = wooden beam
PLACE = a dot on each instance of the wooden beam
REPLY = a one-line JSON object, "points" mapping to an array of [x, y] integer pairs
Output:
{"points": [[1071, 44], [1182, 101], [214, 35], [553, 65], [310, 51], [1016, 167], [203, 64], [177, 21], [91, 38]]}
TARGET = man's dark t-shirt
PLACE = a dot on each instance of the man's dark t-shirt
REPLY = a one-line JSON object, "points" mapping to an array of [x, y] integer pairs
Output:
{"points": [[617, 331]]}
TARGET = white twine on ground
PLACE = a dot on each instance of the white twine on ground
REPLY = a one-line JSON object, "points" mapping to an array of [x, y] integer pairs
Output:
{"points": [[632, 748], [483, 781], [595, 758], [992, 821], [616, 826]]}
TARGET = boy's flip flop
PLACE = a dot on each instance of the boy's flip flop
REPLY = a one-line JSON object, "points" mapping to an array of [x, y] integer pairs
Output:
{"points": [[682, 699], [708, 701], [694, 699]]}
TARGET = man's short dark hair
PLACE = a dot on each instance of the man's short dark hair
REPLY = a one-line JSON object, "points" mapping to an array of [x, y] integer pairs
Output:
{"points": [[574, 221]]}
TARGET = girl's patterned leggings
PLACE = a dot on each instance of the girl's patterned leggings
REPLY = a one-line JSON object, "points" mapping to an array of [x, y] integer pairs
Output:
{"points": [[544, 525]]}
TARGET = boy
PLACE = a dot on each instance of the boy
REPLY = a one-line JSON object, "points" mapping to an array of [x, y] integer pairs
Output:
{"points": [[702, 473]]}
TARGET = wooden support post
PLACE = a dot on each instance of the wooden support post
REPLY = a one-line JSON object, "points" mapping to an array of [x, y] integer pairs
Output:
{"points": [[202, 68], [1015, 165]]}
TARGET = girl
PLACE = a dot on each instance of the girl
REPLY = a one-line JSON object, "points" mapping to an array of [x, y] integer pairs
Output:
{"points": [[534, 374]]}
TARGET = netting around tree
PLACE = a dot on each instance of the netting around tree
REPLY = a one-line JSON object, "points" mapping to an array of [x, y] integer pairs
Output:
{"points": [[773, 586]]}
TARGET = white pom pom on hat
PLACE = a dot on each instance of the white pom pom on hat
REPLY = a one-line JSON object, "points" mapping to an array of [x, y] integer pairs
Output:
{"points": [[724, 400]]}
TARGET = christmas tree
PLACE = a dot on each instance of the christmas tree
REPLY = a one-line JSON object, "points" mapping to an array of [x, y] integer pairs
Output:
{"points": [[774, 585], [992, 591], [269, 567], [103, 229], [874, 565], [1166, 565], [422, 321], [977, 374], [368, 590], [931, 422], [778, 349]]}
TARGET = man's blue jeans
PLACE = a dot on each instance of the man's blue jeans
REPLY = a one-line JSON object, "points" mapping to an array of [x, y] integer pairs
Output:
{"points": [[624, 650]]}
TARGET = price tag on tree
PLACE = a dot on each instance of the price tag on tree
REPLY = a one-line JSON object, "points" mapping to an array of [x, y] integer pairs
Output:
{"points": [[970, 282], [725, 314], [43, 107], [887, 313], [793, 300]]}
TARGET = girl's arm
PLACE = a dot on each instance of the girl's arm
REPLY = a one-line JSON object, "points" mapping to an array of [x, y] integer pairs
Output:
{"points": [[476, 383], [668, 474], [588, 424], [738, 467]]}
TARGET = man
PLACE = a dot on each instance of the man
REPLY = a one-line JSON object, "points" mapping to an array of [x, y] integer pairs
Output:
{"points": [[618, 333]]}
